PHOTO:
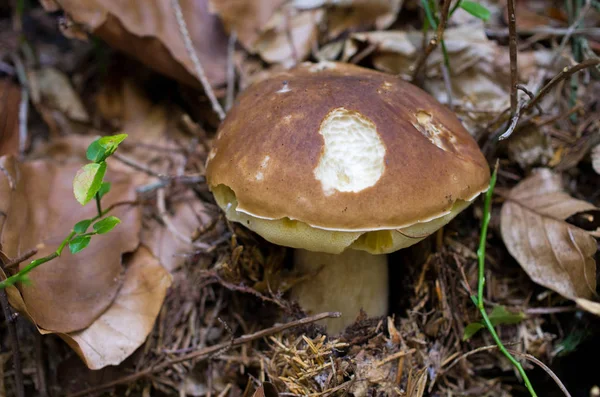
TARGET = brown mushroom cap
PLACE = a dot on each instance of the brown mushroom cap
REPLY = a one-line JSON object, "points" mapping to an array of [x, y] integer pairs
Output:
{"points": [[333, 153]]}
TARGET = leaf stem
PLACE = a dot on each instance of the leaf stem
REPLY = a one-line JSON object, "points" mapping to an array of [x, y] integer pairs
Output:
{"points": [[481, 282], [98, 204]]}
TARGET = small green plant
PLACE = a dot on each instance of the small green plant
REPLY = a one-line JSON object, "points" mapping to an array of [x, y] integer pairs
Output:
{"points": [[498, 316], [88, 184], [478, 299]]}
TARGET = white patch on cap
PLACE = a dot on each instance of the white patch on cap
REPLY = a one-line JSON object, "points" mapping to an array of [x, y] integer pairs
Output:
{"points": [[285, 88], [439, 135], [260, 175], [353, 154]]}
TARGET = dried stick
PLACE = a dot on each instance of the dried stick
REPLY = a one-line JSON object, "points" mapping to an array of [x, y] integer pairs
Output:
{"points": [[216, 106], [516, 353], [565, 73], [433, 43], [22, 258], [206, 352], [512, 42]]}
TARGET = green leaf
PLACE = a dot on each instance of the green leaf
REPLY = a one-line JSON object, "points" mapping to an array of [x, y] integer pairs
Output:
{"points": [[95, 152], [79, 243], [106, 224], [111, 143], [471, 330], [82, 226], [87, 182], [500, 315], [104, 188], [476, 9]]}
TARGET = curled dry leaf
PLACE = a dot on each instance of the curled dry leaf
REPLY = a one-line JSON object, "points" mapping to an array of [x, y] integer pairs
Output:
{"points": [[72, 291], [289, 35], [10, 98], [148, 31], [554, 253], [256, 16], [124, 326]]}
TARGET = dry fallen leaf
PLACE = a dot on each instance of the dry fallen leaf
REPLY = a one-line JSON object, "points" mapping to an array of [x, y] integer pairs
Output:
{"points": [[53, 88], [256, 15], [480, 74], [552, 252], [124, 326], [289, 35], [187, 216], [70, 292], [148, 31], [10, 97]]}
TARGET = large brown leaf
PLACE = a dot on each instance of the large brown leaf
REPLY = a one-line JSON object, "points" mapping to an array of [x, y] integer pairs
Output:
{"points": [[148, 31], [121, 329], [38, 210], [554, 253]]}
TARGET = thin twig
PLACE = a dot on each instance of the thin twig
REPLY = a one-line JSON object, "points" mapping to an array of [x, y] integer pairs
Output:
{"points": [[230, 71], [569, 33], [544, 367], [516, 353], [512, 42], [164, 216], [189, 46], [433, 43], [206, 352], [22, 258], [565, 73], [163, 177], [545, 30], [23, 105]]}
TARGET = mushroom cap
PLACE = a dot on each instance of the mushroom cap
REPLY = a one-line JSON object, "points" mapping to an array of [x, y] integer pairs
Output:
{"points": [[328, 156]]}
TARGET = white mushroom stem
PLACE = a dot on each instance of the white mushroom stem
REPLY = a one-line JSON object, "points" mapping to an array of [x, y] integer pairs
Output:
{"points": [[346, 283]]}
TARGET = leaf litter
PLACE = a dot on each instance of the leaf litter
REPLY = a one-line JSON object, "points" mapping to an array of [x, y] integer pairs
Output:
{"points": [[185, 279]]}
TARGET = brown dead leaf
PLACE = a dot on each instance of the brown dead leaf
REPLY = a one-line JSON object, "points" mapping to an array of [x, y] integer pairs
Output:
{"points": [[124, 326], [10, 98], [289, 35], [187, 216], [354, 14], [36, 199], [256, 16], [52, 87], [552, 252], [480, 74], [149, 31]]}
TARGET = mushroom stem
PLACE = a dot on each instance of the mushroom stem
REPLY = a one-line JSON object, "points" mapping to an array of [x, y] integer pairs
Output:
{"points": [[346, 283]]}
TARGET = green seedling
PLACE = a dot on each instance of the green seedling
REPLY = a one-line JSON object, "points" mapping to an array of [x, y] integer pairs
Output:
{"points": [[87, 185]]}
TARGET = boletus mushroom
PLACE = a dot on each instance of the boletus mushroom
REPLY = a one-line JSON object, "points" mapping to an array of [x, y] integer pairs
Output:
{"points": [[344, 164]]}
